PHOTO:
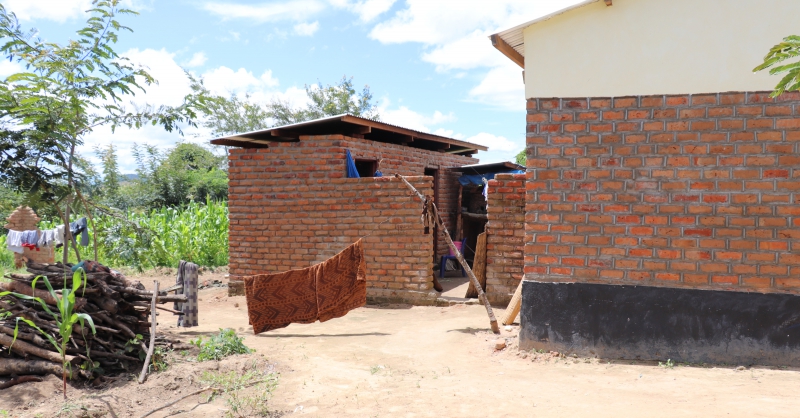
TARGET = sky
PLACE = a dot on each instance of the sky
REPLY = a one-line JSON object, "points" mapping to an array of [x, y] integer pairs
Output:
{"points": [[429, 64]]}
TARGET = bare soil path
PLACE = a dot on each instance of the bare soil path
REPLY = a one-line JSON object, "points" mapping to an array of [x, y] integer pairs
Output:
{"points": [[404, 361]]}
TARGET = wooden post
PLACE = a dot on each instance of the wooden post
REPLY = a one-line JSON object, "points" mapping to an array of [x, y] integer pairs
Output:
{"points": [[459, 256], [152, 334], [514, 306], [479, 266]]}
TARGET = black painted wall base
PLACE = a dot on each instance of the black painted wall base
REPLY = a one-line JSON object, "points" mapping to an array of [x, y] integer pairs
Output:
{"points": [[655, 323]]}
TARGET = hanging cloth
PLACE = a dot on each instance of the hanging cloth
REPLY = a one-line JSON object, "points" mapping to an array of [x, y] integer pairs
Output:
{"points": [[187, 276], [321, 292], [352, 172]]}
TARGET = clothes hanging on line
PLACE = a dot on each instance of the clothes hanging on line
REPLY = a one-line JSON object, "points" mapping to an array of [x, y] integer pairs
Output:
{"points": [[321, 292], [352, 171], [80, 227], [47, 238], [187, 276], [14, 241]]}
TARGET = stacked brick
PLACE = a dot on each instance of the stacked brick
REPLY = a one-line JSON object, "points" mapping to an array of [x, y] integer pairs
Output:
{"points": [[691, 190], [25, 219], [291, 206], [505, 232]]}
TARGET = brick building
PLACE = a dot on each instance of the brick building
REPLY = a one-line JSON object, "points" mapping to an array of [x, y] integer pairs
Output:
{"points": [[662, 183], [291, 204]]}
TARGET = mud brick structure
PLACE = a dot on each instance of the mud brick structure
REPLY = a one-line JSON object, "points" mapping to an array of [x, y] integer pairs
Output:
{"points": [[291, 204], [25, 219]]}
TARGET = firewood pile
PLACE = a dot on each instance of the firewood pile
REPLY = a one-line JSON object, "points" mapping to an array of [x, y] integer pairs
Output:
{"points": [[119, 308]]}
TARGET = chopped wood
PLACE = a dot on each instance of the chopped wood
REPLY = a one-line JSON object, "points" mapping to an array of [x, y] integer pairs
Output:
{"points": [[20, 379], [115, 305], [13, 366]]}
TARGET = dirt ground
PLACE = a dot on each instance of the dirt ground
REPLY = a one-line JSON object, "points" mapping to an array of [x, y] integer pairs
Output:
{"points": [[403, 361]]}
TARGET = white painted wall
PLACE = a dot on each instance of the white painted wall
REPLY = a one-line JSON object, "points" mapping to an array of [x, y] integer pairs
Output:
{"points": [[640, 47]]}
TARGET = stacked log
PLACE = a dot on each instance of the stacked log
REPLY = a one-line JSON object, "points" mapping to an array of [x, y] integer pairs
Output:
{"points": [[119, 308]]}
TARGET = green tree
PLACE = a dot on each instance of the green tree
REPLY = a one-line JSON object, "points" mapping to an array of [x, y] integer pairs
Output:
{"points": [[232, 114], [186, 173], [236, 114], [333, 100], [788, 49], [64, 93], [111, 174], [521, 158]]}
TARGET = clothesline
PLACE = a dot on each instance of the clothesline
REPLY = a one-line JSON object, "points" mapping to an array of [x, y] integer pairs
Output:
{"points": [[35, 239]]}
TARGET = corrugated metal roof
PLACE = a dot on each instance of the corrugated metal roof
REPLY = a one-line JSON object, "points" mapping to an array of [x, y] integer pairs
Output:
{"points": [[514, 36], [353, 126]]}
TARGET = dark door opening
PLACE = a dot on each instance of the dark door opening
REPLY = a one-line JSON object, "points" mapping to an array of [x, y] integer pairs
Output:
{"points": [[366, 168]]}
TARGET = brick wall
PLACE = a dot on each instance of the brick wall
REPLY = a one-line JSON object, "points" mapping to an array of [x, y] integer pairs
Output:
{"points": [[693, 190], [25, 219], [291, 206], [505, 232]]}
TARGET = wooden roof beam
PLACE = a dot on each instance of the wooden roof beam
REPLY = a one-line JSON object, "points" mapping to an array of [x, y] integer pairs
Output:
{"points": [[282, 133], [508, 50]]}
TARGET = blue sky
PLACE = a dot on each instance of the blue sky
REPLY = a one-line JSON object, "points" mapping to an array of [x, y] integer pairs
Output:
{"points": [[429, 64]]}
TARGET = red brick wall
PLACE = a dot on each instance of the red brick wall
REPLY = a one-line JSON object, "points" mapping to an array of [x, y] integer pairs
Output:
{"points": [[697, 191], [291, 207], [409, 161], [505, 232]]}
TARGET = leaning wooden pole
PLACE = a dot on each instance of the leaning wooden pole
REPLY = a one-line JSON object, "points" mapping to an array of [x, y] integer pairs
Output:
{"points": [[481, 295], [152, 333]]}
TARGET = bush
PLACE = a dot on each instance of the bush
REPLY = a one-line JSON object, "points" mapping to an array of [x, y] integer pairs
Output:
{"points": [[222, 345]]}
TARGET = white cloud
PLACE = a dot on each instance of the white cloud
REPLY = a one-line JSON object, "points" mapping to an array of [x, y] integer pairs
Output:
{"points": [[471, 51], [367, 10], [63, 10], [197, 60], [172, 85], [224, 81], [7, 68], [407, 118], [306, 29], [294, 10], [57, 10], [502, 87], [494, 142], [456, 38]]}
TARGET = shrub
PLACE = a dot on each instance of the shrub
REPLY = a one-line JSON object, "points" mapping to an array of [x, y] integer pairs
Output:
{"points": [[219, 346]]}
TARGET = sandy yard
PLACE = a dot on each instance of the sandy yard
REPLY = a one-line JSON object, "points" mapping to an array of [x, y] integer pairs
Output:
{"points": [[403, 361]]}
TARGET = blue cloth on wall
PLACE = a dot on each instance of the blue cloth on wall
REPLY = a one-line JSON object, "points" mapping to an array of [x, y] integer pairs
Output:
{"points": [[352, 172], [477, 179]]}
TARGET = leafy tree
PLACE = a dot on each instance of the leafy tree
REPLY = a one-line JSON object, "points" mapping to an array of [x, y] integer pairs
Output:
{"points": [[235, 114], [788, 49], [186, 173], [63, 94], [226, 115], [111, 174], [521, 158], [332, 100]]}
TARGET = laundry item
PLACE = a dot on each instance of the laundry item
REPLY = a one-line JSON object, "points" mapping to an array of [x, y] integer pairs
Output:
{"points": [[321, 292], [187, 276]]}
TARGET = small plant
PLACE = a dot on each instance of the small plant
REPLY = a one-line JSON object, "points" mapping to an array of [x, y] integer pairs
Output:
{"points": [[159, 361], [219, 346], [232, 384], [65, 319], [668, 365]]}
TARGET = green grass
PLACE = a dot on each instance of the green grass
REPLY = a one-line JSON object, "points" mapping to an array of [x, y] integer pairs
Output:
{"points": [[221, 345]]}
